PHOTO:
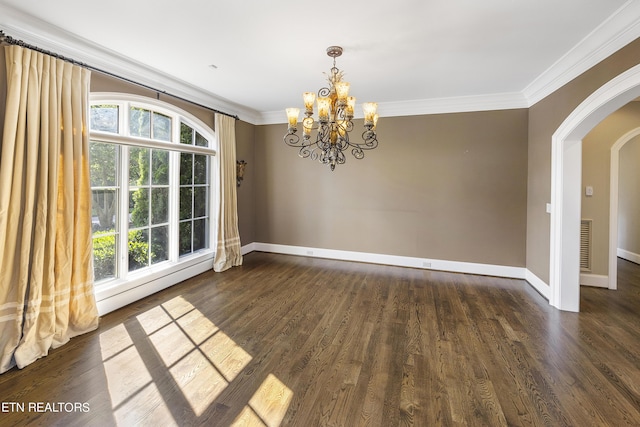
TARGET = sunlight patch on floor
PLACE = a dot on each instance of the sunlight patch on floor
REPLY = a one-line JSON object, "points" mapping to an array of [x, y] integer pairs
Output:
{"points": [[146, 407], [228, 357], [134, 396], [202, 361], [198, 380], [248, 418], [268, 405], [201, 358]]}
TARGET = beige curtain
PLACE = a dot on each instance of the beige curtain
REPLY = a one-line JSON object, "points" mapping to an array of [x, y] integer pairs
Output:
{"points": [[46, 269], [228, 253]]}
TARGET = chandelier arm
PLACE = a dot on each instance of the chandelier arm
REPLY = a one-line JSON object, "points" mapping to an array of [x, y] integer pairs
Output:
{"points": [[292, 139], [348, 126], [357, 152], [305, 152], [370, 140]]}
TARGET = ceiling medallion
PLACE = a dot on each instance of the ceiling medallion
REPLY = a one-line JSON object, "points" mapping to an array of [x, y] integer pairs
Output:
{"points": [[335, 115]]}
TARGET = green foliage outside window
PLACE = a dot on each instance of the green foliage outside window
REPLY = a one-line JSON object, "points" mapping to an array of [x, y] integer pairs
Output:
{"points": [[104, 256], [104, 253], [148, 187]]}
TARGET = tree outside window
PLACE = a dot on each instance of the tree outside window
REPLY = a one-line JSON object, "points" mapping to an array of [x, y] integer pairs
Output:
{"points": [[143, 175]]}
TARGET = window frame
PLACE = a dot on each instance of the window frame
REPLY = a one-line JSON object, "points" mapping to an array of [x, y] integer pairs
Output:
{"points": [[114, 293]]}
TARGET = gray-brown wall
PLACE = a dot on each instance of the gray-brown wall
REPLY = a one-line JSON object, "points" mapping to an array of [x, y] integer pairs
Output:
{"points": [[544, 119], [445, 186], [245, 144]]}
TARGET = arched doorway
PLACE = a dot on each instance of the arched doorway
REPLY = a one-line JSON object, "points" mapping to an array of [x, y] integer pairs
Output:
{"points": [[566, 167], [613, 205]]}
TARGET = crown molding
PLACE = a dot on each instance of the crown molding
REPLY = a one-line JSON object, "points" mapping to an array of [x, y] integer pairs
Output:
{"points": [[617, 31], [39, 33], [613, 34], [418, 107]]}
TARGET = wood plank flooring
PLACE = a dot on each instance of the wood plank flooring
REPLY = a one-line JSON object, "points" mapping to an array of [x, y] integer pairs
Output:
{"points": [[296, 341]]}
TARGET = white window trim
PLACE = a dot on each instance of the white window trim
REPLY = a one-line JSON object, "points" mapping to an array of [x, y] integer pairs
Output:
{"points": [[117, 293]]}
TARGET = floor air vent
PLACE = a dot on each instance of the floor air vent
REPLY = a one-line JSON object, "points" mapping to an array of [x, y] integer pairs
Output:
{"points": [[585, 244]]}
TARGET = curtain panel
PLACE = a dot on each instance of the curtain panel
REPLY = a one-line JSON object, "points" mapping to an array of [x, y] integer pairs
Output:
{"points": [[228, 250], [46, 267]]}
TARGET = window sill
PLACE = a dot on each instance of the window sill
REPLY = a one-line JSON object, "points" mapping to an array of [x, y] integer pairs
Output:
{"points": [[115, 294]]}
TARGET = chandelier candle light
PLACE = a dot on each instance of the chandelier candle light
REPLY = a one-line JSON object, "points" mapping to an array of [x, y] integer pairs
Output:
{"points": [[335, 115]]}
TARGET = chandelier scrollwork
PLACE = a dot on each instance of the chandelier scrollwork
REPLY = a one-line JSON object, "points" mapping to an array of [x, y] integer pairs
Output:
{"points": [[334, 124]]}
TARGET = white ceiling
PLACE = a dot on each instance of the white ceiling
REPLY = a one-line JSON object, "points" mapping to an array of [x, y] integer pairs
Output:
{"points": [[411, 56]]}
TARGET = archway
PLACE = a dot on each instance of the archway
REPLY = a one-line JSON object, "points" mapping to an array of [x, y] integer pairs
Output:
{"points": [[566, 169], [613, 205]]}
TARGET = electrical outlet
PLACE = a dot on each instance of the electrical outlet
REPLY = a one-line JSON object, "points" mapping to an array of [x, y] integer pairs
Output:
{"points": [[588, 191]]}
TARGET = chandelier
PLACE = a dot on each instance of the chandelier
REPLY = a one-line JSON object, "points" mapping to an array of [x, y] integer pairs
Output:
{"points": [[335, 121]]}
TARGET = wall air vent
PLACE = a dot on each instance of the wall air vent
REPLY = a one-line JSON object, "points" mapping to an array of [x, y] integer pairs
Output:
{"points": [[585, 244]]}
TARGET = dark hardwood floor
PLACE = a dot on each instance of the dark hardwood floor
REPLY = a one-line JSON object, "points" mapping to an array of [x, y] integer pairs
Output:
{"points": [[298, 341]]}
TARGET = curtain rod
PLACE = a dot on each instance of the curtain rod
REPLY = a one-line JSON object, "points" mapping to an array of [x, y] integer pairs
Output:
{"points": [[5, 39]]}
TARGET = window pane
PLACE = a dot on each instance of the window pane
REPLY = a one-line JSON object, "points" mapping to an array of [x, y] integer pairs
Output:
{"points": [[186, 169], [140, 122], [186, 134], [199, 234], [104, 118], [159, 205], [104, 256], [200, 169], [139, 208], [185, 238], [104, 208], [185, 203], [149, 184], [103, 158], [199, 201], [138, 166], [160, 166], [159, 244], [201, 141], [138, 249], [161, 127]]}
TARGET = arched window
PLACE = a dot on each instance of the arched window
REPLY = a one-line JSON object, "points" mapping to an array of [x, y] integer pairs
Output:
{"points": [[151, 178]]}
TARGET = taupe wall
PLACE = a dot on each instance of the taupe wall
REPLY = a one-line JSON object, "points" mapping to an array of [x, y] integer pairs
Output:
{"points": [[629, 197], [447, 186], [596, 171], [544, 119], [245, 143]]}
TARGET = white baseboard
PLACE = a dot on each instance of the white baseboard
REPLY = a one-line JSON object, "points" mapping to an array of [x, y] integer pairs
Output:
{"points": [[629, 256], [597, 280], [400, 261], [111, 299], [538, 284], [248, 248]]}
